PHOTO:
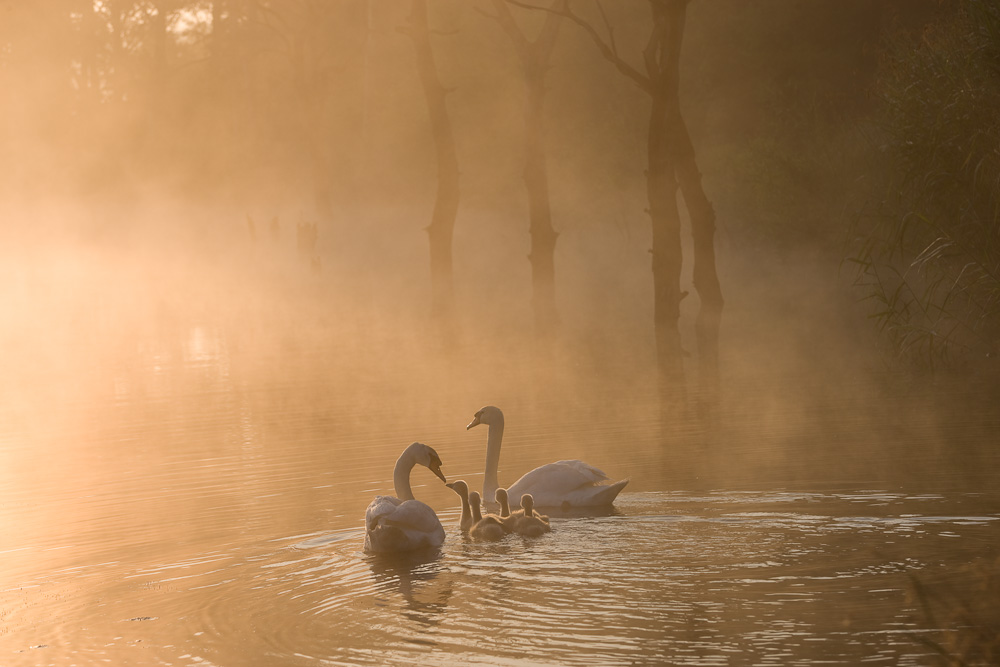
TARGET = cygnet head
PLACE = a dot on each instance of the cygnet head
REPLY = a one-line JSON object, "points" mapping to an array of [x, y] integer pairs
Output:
{"points": [[501, 496], [459, 487], [426, 456], [488, 415], [475, 501], [527, 504]]}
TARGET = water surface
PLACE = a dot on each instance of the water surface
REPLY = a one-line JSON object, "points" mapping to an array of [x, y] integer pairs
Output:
{"points": [[187, 485]]}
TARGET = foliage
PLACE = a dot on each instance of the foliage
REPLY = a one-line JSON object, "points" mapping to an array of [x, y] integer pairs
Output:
{"points": [[189, 96], [928, 252]]}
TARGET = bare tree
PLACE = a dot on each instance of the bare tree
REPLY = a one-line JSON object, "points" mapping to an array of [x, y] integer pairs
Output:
{"points": [[671, 166], [442, 225], [534, 57]]}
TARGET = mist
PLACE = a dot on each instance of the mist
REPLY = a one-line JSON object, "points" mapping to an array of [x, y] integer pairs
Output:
{"points": [[226, 250], [161, 179]]}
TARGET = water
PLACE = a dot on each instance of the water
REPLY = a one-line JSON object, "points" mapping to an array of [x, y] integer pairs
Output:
{"points": [[669, 578], [189, 489]]}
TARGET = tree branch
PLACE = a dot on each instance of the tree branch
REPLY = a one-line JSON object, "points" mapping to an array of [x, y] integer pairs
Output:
{"points": [[606, 49], [509, 25], [547, 37], [607, 24]]}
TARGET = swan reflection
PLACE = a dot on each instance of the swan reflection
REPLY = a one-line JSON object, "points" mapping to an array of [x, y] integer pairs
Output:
{"points": [[415, 577]]}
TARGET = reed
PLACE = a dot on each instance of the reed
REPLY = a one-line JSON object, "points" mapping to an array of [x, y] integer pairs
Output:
{"points": [[927, 254]]}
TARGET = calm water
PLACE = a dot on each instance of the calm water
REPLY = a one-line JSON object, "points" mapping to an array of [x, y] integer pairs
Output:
{"points": [[184, 491]]}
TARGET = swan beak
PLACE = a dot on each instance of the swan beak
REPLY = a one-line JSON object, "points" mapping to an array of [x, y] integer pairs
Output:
{"points": [[436, 469], [474, 422]]}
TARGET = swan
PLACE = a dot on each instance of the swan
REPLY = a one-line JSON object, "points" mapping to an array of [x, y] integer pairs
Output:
{"points": [[512, 520], [501, 498], [472, 522], [562, 484], [402, 523], [531, 524], [487, 528], [506, 518], [462, 489]]}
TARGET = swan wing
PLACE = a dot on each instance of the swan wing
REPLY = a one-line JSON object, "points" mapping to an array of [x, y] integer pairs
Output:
{"points": [[573, 483], [585, 470], [380, 507], [392, 524], [555, 478]]}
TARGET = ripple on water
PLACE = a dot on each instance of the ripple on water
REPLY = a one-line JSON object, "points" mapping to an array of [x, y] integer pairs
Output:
{"points": [[670, 578]]}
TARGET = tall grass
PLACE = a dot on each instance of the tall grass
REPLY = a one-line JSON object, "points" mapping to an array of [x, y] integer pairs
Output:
{"points": [[927, 248]]}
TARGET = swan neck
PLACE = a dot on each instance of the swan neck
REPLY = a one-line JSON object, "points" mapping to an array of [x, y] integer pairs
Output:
{"points": [[401, 476], [466, 519], [493, 440]]}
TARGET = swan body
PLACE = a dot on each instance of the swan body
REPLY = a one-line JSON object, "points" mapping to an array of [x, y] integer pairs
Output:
{"points": [[564, 484], [400, 522], [472, 521]]}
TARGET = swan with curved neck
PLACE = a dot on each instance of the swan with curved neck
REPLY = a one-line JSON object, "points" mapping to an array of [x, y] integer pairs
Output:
{"points": [[400, 522], [562, 484]]}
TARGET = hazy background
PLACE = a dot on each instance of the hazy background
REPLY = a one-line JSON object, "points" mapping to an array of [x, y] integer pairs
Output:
{"points": [[140, 137], [196, 407]]}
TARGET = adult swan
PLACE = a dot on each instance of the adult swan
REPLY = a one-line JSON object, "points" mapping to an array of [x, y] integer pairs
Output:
{"points": [[401, 523], [562, 484]]}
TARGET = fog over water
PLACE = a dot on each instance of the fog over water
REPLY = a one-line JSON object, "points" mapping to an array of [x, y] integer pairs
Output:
{"points": [[198, 402]]}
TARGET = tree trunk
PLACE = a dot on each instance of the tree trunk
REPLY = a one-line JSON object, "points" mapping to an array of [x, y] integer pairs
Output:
{"points": [[543, 236], [159, 28], [442, 225], [661, 189], [662, 57], [706, 277], [534, 57], [218, 31], [672, 165]]}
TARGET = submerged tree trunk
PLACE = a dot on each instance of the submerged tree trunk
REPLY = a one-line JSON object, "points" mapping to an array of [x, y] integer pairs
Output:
{"points": [[705, 275], [442, 225], [534, 57], [543, 235], [662, 57], [671, 166]]}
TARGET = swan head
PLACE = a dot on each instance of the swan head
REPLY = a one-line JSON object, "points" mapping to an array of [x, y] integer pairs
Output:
{"points": [[459, 487], [488, 415], [427, 457]]}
